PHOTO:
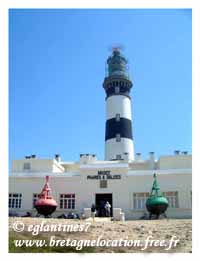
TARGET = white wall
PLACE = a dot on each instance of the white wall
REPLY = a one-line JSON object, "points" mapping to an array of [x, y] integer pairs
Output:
{"points": [[118, 104], [175, 162], [113, 148], [122, 190], [37, 165]]}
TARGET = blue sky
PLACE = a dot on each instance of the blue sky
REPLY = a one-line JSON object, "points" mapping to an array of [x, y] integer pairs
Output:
{"points": [[57, 67]]}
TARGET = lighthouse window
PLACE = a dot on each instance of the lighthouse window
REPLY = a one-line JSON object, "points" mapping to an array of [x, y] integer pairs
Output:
{"points": [[67, 201], [15, 200], [139, 200], [118, 137], [121, 84], [117, 117], [118, 157], [117, 89], [172, 197]]}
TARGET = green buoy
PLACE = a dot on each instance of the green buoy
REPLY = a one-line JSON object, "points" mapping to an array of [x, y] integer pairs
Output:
{"points": [[156, 204]]}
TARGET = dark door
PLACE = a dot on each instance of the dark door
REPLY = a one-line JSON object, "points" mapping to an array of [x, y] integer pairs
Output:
{"points": [[100, 202]]}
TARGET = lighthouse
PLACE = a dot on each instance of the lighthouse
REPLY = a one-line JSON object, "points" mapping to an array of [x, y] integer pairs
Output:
{"points": [[117, 86]]}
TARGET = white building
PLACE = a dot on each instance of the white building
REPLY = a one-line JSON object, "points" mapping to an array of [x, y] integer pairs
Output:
{"points": [[76, 185], [123, 179]]}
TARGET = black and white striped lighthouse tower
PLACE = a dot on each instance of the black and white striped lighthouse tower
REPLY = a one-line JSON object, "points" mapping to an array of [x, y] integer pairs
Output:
{"points": [[117, 85]]}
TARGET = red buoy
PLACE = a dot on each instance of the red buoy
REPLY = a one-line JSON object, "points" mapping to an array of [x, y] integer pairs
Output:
{"points": [[45, 205]]}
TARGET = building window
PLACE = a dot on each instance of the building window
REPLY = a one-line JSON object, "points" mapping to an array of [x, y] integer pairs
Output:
{"points": [[67, 201], [35, 198], [117, 89], [27, 166], [117, 117], [172, 197], [139, 200], [118, 157], [103, 183], [118, 137], [15, 200]]}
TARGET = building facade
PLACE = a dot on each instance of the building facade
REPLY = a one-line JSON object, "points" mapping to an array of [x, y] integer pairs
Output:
{"points": [[123, 179]]}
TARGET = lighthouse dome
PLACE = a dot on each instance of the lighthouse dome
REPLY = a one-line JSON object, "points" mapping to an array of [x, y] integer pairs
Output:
{"points": [[117, 64]]}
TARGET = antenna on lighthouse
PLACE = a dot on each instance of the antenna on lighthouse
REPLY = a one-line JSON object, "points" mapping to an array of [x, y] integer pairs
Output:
{"points": [[116, 47]]}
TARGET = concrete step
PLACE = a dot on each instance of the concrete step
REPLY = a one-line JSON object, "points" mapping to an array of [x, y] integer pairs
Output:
{"points": [[99, 219]]}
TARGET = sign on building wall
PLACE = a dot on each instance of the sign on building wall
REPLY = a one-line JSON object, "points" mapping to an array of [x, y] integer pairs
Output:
{"points": [[104, 174]]}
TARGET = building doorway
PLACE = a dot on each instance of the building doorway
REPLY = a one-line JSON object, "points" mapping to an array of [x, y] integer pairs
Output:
{"points": [[100, 201]]}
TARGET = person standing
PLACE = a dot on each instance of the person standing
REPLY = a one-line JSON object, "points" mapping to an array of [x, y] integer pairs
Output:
{"points": [[107, 208], [93, 211]]}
